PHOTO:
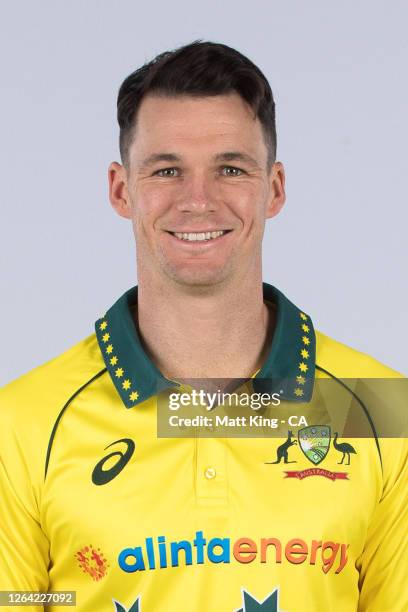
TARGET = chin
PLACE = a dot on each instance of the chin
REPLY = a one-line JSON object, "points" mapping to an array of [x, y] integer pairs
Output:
{"points": [[203, 277]]}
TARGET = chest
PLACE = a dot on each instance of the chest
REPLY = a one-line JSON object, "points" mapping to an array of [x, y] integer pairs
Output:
{"points": [[114, 484]]}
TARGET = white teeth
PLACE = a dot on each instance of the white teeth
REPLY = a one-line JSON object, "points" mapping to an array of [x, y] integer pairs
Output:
{"points": [[198, 236]]}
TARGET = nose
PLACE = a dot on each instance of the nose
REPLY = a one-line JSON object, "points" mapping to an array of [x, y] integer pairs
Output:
{"points": [[197, 194]]}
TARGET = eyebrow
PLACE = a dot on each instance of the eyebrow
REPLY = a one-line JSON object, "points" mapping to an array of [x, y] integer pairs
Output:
{"points": [[236, 156], [225, 156], [158, 157]]}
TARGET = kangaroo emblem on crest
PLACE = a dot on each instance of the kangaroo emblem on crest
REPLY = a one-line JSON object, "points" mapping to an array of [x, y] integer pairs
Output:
{"points": [[282, 450]]}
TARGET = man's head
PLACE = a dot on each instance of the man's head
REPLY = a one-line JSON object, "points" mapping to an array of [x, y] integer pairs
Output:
{"points": [[199, 69], [198, 147]]}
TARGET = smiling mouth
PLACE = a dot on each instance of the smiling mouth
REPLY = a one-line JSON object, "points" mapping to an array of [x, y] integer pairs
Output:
{"points": [[199, 236]]}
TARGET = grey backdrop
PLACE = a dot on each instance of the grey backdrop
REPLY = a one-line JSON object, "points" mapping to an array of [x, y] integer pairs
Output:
{"points": [[338, 249]]}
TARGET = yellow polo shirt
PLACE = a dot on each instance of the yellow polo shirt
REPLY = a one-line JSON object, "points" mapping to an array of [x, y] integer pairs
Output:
{"points": [[94, 501]]}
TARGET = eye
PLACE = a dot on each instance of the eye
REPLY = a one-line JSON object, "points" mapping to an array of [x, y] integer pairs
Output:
{"points": [[166, 172], [232, 171]]}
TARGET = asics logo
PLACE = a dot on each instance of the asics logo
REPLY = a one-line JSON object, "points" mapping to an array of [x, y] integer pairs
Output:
{"points": [[101, 476]]}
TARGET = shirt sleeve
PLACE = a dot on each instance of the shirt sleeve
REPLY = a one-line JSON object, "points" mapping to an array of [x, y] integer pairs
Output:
{"points": [[24, 547], [383, 564]]}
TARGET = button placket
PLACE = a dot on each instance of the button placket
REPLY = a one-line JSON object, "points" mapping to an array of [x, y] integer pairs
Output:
{"points": [[211, 469]]}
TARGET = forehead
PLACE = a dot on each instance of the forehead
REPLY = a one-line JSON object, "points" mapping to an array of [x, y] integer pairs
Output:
{"points": [[187, 121]]}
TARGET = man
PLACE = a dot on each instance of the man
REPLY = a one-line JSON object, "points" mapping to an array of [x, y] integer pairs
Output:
{"points": [[93, 500]]}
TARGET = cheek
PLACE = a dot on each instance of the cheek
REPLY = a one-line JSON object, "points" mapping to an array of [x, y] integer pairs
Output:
{"points": [[248, 204], [148, 205]]}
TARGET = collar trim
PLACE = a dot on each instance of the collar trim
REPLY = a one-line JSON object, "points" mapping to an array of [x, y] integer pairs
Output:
{"points": [[134, 375], [289, 367]]}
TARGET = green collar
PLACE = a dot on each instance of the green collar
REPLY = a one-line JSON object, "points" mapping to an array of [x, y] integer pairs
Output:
{"points": [[288, 369]]}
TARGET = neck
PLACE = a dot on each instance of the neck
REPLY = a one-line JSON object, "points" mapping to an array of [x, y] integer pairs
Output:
{"points": [[202, 335]]}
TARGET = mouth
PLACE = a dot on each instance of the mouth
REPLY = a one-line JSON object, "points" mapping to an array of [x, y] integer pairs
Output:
{"points": [[199, 236]]}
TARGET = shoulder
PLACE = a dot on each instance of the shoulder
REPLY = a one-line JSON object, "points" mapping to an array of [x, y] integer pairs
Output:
{"points": [[380, 390], [44, 388], [30, 404], [344, 361]]}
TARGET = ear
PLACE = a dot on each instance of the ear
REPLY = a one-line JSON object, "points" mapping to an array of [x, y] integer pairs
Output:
{"points": [[277, 196], [118, 191]]}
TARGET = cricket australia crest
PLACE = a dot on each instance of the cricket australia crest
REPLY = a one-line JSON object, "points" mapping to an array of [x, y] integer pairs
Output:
{"points": [[314, 441]]}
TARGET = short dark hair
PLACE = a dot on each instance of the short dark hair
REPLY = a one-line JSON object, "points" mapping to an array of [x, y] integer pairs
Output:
{"points": [[197, 69]]}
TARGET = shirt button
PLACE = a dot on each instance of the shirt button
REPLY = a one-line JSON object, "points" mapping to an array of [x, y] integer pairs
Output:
{"points": [[210, 473]]}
